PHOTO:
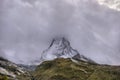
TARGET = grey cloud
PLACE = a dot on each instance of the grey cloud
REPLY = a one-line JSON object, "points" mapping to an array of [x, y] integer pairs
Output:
{"points": [[28, 26]]}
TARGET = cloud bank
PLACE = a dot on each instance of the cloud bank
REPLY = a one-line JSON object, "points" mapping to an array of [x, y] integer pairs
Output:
{"points": [[113, 4], [27, 28]]}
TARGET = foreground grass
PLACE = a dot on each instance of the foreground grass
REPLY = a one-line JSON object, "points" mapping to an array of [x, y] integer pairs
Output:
{"points": [[65, 69]]}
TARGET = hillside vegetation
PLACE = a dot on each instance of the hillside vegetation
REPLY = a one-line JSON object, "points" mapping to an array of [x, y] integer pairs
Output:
{"points": [[60, 69], [66, 69]]}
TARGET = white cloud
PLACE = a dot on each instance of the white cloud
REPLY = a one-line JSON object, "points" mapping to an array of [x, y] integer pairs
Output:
{"points": [[113, 4]]}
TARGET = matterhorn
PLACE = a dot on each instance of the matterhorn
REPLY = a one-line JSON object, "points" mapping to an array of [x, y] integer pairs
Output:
{"points": [[61, 48]]}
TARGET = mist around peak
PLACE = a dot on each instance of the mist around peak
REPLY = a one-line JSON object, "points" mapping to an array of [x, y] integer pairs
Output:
{"points": [[27, 28]]}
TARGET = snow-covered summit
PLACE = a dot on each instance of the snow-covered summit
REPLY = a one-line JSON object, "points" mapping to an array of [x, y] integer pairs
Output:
{"points": [[59, 48]]}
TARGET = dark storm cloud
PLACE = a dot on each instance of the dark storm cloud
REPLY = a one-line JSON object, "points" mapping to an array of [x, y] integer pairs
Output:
{"points": [[28, 26]]}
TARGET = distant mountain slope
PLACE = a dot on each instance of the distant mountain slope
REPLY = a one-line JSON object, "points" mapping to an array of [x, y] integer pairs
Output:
{"points": [[11, 71], [66, 69]]}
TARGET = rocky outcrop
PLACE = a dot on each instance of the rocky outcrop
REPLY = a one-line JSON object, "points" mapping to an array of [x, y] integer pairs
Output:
{"points": [[11, 70]]}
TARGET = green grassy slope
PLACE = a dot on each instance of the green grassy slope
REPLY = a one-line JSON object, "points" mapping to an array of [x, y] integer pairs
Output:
{"points": [[65, 69]]}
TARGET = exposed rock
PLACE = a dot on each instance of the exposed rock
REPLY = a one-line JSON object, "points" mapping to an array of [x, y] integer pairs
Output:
{"points": [[11, 70]]}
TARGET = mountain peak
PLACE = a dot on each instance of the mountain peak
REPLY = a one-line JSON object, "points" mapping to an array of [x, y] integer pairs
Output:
{"points": [[60, 42], [60, 47]]}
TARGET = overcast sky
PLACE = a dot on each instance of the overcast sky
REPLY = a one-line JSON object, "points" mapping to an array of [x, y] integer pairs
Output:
{"points": [[27, 28]]}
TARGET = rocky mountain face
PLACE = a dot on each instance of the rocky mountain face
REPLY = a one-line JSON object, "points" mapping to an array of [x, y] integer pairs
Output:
{"points": [[10, 71], [61, 48]]}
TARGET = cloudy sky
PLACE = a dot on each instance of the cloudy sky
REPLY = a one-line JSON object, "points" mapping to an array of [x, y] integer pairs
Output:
{"points": [[27, 28]]}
